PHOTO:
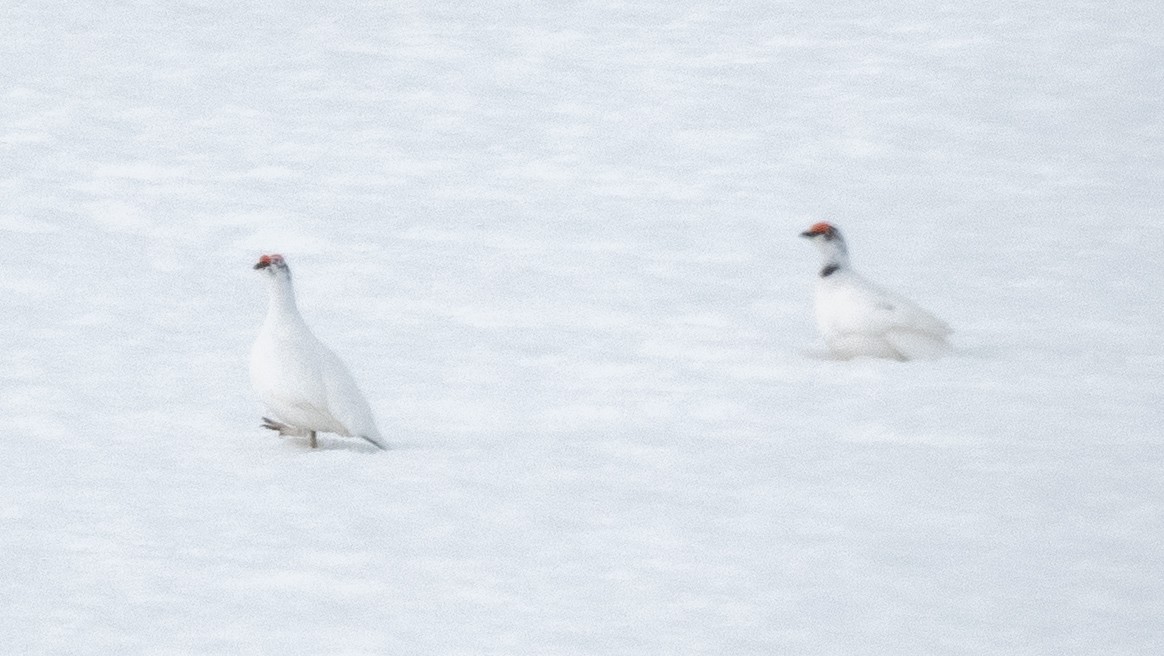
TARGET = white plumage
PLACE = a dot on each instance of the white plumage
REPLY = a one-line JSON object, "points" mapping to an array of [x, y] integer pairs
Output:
{"points": [[300, 380], [859, 318]]}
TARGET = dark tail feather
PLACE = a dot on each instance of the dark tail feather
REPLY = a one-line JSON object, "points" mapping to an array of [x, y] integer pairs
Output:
{"points": [[375, 443]]}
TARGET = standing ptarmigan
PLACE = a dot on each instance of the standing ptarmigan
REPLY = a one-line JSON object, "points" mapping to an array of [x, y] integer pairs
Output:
{"points": [[302, 382], [858, 318]]}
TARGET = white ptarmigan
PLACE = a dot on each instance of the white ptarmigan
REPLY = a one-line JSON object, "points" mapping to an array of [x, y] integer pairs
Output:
{"points": [[858, 318], [302, 382]]}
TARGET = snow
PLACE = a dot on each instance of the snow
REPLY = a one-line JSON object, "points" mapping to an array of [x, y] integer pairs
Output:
{"points": [[557, 244]]}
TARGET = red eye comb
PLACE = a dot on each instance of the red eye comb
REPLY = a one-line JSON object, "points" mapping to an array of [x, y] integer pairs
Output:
{"points": [[267, 260]]}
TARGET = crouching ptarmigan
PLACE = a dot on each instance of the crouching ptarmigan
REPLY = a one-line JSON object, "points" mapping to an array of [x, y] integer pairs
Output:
{"points": [[858, 318], [302, 382]]}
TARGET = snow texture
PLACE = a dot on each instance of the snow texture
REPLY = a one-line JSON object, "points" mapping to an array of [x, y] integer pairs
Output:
{"points": [[557, 243]]}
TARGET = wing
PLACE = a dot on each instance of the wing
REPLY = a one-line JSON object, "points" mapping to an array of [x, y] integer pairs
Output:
{"points": [[915, 345], [346, 401], [853, 305]]}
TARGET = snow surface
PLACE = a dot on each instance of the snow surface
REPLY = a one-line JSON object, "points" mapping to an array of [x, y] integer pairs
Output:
{"points": [[557, 243]]}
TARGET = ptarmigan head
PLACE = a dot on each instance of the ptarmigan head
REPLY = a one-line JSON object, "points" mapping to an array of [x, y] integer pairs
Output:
{"points": [[823, 231], [828, 239], [273, 264]]}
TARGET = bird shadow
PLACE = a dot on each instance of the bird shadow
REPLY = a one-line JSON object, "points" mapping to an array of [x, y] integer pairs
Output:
{"points": [[352, 445], [332, 444]]}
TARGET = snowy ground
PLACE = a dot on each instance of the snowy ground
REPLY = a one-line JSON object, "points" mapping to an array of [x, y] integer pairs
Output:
{"points": [[557, 244]]}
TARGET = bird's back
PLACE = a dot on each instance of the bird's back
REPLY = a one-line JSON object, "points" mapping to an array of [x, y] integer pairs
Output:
{"points": [[345, 400], [848, 303], [858, 317]]}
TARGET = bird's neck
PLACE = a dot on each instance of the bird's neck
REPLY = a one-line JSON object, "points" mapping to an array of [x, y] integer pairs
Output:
{"points": [[281, 297], [834, 258]]}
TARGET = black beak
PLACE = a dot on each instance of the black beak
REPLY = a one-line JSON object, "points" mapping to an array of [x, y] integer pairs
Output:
{"points": [[263, 265], [809, 234]]}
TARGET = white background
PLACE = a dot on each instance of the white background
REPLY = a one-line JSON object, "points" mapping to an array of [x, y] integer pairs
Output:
{"points": [[557, 245]]}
